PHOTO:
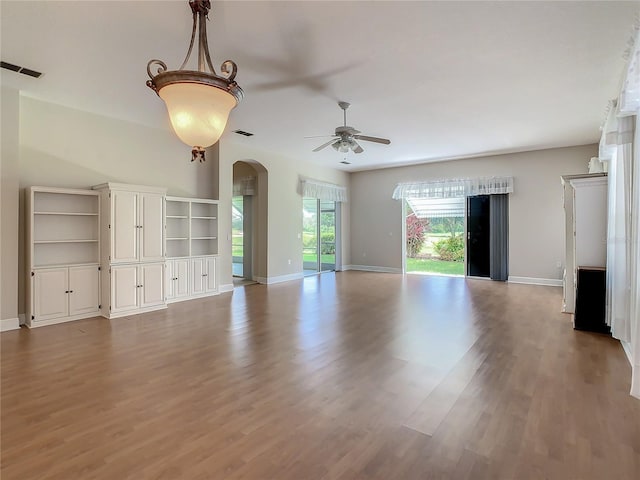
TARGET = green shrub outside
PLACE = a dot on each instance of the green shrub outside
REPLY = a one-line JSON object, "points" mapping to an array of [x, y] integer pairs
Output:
{"points": [[450, 249], [327, 241]]}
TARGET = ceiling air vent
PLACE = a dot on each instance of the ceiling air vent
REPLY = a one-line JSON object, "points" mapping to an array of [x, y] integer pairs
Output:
{"points": [[344, 162], [242, 132], [19, 69]]}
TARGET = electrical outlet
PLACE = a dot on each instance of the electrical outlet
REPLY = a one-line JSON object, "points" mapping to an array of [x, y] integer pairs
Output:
{"points": [[289, 261]]}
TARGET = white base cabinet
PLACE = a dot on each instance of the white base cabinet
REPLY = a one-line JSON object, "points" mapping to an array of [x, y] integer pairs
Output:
{"points": [[177, 276], [63, 294], [203, 276], [188, 278], [136, 288]]}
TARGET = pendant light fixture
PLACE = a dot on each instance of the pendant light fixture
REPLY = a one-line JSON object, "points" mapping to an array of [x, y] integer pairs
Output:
{"points": [[198, 101]]}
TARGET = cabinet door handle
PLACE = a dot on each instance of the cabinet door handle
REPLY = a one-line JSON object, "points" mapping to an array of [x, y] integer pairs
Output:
{"points": [[66, 291], [70, 291]]}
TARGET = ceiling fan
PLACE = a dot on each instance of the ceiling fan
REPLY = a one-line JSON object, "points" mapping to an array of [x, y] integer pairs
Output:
{"points": [[344, 138]]}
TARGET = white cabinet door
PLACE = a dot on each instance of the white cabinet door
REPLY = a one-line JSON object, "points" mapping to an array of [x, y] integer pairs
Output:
{"points": [[124, 227], [124, 288], [50, 293], [152, 227], [197, 276], [84, 289], [151, 284], [169, 279], [211, 285], [181, 273]]}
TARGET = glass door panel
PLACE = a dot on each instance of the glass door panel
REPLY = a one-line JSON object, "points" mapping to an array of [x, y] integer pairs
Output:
{"points": [[310, 235], [237, 235], [327, 235]]}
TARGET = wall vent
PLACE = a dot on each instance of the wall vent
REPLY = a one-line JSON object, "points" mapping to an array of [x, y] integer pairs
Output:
{"points": [[242, 132], [19, 69]]}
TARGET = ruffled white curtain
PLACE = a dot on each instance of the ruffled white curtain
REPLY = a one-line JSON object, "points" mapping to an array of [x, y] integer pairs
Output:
{"points": [[634, 300], [324, 191], [616, 148], [621, 143], [454, 188], [244, 186]]}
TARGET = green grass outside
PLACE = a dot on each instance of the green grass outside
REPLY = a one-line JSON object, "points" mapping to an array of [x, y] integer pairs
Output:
{"points": [[312, 257], [434, 266]]}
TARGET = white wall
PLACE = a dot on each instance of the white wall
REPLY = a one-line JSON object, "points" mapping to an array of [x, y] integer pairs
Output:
{"points": [[284, 214], [64, 147], [9, 166], [536, 216]]}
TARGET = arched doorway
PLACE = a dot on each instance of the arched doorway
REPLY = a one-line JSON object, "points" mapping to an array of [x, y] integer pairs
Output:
{"points": [[249, 222]]}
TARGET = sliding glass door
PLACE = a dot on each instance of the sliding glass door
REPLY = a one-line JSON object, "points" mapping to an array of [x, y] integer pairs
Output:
{"points": [[318, 235], [237, 235]]}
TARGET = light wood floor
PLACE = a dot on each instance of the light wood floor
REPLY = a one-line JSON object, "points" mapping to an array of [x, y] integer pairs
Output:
{"points": [[347, 376]]}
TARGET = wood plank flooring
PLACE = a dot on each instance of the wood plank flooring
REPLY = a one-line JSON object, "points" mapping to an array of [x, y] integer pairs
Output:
{"points": [[343, 376]]}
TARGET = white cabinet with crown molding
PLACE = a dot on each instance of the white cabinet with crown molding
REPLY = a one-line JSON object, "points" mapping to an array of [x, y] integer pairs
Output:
{"points": [[133, 247], [585, 208]]}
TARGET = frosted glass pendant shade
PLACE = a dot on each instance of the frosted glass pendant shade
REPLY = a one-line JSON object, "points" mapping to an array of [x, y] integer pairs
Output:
{"points": [[198, 112]]}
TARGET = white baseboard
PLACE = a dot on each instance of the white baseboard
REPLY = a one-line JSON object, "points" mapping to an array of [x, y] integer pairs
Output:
{"points": [[7, 324], [131, 313], [549, 282], [635, 381], [279, 279], [227, 287], [626, 346], [372, 268]]}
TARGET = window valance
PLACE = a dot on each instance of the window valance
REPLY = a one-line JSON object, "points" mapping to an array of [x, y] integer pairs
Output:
{"points": [[454, 188], [322, 190], [244, 186], [617, 130], [630, 94]]}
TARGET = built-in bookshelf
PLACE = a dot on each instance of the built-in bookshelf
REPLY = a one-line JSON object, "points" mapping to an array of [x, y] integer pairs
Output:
{"points": [[204, 227], [177, 228], [64, 227], [191, 227], [63, 255]]}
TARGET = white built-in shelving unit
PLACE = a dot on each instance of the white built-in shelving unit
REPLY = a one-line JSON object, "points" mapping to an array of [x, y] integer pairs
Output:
{"points": [[177, 228], [133, 250], [191, 247], [63, 255]]}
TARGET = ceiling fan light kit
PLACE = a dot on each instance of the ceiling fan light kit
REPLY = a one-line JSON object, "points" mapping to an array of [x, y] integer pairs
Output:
{"points": [[345, 137], [198, 101]]}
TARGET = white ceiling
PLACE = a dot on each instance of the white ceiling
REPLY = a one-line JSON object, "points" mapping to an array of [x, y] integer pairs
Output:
{"points": [[440, 79]]}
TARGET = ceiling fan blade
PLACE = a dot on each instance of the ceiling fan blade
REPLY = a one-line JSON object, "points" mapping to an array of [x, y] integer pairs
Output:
{"points": [[355, 146], [324, 145], [372, 139], [319, 136]]}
